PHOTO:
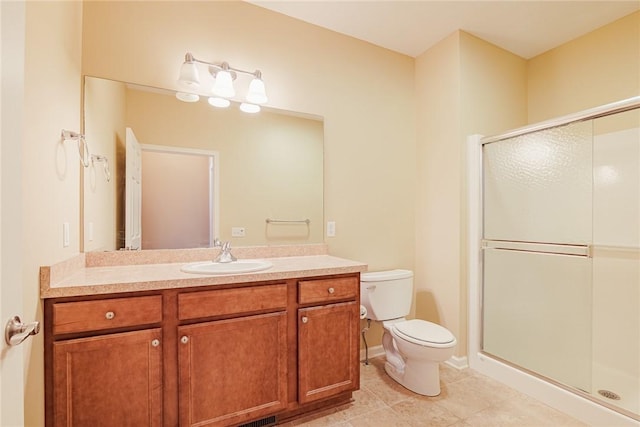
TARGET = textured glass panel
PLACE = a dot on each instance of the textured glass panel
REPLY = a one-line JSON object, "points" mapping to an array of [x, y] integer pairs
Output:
{"points": [[537, 313], [537, 187], [616, 258], [616, 326], [616, 180]]}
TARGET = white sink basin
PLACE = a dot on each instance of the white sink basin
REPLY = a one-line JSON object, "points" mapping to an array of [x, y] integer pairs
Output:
{"points": [[235, 267]]}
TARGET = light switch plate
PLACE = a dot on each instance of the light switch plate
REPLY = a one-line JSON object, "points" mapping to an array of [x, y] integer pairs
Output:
{"points": [[237, 232], [331, 229], [65, 234]]}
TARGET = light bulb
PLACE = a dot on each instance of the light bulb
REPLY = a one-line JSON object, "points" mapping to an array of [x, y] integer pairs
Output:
{"points": [[249, 108], [224, 84], [257, 93], [219, 102]]}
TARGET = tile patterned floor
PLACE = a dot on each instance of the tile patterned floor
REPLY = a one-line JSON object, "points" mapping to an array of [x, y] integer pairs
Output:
{"points": [[467, 399]]}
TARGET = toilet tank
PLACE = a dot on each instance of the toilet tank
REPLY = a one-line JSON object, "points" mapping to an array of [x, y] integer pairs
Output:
{"points": [[386, 294]]}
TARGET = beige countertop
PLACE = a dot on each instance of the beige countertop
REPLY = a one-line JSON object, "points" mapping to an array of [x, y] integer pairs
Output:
{"points": [[77, 277]]}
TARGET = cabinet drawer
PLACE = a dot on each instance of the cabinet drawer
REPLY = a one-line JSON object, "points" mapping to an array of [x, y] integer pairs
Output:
{"points": [[326, 290], [84, 316], [221, 302]]}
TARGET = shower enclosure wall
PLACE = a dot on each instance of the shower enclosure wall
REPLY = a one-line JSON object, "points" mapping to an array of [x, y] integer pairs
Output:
{"points": [[555, 261]]}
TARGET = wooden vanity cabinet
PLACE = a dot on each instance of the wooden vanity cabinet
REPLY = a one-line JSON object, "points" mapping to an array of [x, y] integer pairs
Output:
{"points": [[328, 338], [232, 370], [106, 379], [222, 355]]}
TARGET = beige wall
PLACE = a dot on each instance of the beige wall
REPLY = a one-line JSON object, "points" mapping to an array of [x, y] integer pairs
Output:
{"points": [[464, 85], [50, 169], [364, 93], [595, 69], [438, 165]]}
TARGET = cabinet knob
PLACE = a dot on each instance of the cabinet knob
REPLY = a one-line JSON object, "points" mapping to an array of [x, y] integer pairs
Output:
{"points": [[331, 290], [155, 342], [109, 315], [305, 319], [184, 339]]}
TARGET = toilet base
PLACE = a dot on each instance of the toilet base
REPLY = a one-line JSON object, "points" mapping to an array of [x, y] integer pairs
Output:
{"points": [[423, 379], [418, 369]]}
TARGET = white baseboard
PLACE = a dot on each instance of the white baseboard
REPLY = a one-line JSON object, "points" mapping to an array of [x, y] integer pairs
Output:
{"points": [[459, 363]]}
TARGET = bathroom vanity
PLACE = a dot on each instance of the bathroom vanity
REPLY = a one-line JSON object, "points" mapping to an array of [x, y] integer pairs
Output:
{"points": [[148, 344]]}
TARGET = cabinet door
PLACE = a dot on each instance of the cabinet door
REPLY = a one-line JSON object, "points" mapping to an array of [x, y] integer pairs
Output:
{"points": [[328, 350], [111, 380], [232, 371]]}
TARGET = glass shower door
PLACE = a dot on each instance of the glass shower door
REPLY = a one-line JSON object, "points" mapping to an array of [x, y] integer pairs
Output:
{"points": [[616, 260], [561, 256], [537, 293]]}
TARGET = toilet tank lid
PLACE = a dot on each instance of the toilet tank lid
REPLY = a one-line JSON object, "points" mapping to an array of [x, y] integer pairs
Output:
{"points": [[379, 276]]}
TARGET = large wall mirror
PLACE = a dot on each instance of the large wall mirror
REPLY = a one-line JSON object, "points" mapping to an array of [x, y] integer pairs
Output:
{"points": [[202, 172]]}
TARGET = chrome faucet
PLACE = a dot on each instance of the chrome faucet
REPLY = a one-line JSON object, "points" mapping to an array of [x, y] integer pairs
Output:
{"points": [[225, 254]]}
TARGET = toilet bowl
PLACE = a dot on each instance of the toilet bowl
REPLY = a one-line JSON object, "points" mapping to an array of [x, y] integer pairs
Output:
{"points": [[413, 348]]}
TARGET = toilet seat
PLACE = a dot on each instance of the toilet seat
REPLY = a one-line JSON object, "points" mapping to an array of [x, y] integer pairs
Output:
{"points": [[424, 333]]}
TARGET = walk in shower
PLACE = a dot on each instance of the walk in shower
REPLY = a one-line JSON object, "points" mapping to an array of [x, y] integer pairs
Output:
{"points": [[555, 261]]}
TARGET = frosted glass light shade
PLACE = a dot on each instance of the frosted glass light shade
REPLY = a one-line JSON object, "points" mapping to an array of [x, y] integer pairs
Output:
{"points": [[187, 97], [189, 75], [224, 85], [257, 93], [249, 108], [219, 102]]}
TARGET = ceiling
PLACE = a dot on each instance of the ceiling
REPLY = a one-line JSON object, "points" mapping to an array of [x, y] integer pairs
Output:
{"points": [[526, 28]]}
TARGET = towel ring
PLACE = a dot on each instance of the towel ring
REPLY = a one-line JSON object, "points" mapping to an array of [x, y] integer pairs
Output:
{"points": [[97, 158], [83, 145]]}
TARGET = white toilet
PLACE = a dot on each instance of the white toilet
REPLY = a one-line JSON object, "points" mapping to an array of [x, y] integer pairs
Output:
{"points": [[413, 348]]}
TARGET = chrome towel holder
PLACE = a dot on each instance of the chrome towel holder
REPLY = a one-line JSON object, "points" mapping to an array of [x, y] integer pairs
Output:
{"points": [[288, 221], [98, 158], [86, 158], [83, 146]]}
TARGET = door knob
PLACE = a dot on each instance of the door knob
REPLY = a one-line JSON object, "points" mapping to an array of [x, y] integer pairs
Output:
{"points": [[15, 332]]}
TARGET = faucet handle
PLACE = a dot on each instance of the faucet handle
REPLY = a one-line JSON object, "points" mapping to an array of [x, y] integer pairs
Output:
{"points": [[217, 243]]}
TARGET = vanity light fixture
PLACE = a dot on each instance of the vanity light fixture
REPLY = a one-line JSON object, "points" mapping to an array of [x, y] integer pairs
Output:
{"points": [[223, 89], [189, 75], [257, 93], [223, 86]]}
